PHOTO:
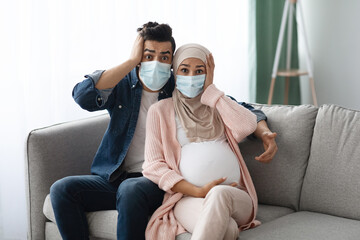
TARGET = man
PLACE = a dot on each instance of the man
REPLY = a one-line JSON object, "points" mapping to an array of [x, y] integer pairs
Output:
{"points": [[126, 92]]}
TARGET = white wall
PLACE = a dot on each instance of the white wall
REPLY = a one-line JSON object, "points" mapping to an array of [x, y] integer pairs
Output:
{"points": [[333, 32]]}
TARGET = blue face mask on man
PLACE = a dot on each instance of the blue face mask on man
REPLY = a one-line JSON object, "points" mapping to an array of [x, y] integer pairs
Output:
{"points": [[190, 86], [154, 74]]}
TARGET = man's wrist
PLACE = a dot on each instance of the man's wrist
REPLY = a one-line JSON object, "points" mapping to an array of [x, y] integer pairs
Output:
{"points": [[132, 62], [265, 134], [262, 130]]}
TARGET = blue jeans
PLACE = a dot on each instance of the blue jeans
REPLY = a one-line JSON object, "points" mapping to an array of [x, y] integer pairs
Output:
{"points": [[135, 199]]}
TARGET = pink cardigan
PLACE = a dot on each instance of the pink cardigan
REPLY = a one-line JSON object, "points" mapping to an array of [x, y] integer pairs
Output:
{"points": [[162, 156]]}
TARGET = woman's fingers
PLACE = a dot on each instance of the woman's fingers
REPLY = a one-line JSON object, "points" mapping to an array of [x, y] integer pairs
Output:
{"points": [[210, 64], [219, 181], [234, 184], [209, 71], [210, 60]]}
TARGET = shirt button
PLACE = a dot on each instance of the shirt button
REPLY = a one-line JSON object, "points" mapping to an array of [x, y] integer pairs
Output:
{"points": [[162, 92], [133, 86], [99, 99], [120, 106]]}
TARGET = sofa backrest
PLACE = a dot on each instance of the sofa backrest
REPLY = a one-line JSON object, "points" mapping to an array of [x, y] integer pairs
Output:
{"points": [[279, 182], [53, 153], [332, 180]]}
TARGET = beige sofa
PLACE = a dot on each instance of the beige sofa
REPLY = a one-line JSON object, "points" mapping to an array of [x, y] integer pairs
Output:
{"points": [[311, 190]]}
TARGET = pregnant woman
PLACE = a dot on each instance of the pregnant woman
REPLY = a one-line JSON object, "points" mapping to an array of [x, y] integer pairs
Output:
{"points": [[192, 153]]}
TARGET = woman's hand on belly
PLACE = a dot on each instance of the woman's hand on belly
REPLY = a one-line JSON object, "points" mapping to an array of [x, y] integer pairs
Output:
{"points": [[189, 189], [206, 188]]}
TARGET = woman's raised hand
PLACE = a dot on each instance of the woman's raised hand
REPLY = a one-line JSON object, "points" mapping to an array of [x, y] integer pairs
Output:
{"points": [[210, 66], [137, 50]]}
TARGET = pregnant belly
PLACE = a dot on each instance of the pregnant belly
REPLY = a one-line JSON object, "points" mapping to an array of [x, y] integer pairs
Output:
{"points": [[204, 162]]}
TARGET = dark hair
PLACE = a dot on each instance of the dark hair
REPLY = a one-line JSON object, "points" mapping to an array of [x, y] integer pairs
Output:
{"points": [[157, 32]]}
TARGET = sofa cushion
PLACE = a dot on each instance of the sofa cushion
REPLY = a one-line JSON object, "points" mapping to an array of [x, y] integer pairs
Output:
{"points": [[279, 182], [102, 224], [267, 213], [305, 225], [332, 179], [54, 152], [52, 233], [48, 210]]}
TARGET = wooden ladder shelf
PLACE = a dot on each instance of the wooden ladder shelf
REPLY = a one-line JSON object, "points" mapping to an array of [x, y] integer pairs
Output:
{"points": [[288, 72]]}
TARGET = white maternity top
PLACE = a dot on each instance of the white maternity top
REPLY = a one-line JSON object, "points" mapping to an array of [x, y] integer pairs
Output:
{"points": [[204, 162]]}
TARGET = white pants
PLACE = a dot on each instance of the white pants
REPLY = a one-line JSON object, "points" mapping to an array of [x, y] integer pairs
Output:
{"points": [[217, 216]]}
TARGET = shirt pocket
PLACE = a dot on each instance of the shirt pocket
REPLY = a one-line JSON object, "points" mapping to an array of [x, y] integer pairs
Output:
{"points": [[120, 117]]}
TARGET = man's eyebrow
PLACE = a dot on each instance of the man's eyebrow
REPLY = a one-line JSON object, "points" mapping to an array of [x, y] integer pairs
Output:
{"points": [[148, 50], [166, 52]]}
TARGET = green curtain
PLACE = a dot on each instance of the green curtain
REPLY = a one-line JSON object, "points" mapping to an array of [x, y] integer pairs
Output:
{"points": [[265, 21]]}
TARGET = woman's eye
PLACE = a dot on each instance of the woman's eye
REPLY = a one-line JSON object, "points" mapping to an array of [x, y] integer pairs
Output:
{"points": [[199, 71], [148, 57], [184, 70]]}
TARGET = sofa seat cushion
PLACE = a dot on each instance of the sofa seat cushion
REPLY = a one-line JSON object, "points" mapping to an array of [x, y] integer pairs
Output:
{"points": [[305, 225], [52, 233], [102, 224], [268, 213]]}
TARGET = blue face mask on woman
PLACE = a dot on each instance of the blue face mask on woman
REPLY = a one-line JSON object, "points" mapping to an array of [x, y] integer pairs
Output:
{"points": [[190, 86], [154, 74]]}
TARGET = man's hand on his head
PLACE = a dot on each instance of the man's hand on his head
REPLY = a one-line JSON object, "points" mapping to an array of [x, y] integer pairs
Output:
{"points": [[137, 50]]}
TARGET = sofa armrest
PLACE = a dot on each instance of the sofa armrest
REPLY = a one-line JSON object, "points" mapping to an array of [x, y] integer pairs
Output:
{"points": [[55, 152]]}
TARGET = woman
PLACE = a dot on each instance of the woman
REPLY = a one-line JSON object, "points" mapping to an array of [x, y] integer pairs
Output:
{"points": [[192, 153]]}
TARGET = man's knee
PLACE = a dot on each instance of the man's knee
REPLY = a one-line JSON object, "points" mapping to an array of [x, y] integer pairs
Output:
{"points": [[134, 187], [61, 187], [65, 188], [134, 191]]}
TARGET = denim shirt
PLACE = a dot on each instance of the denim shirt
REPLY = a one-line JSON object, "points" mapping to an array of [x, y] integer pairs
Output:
{"points": [[122, 103]]}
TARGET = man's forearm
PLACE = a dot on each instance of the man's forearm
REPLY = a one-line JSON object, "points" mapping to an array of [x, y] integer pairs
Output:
{"points": [[261, 129], [111, 77]]}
